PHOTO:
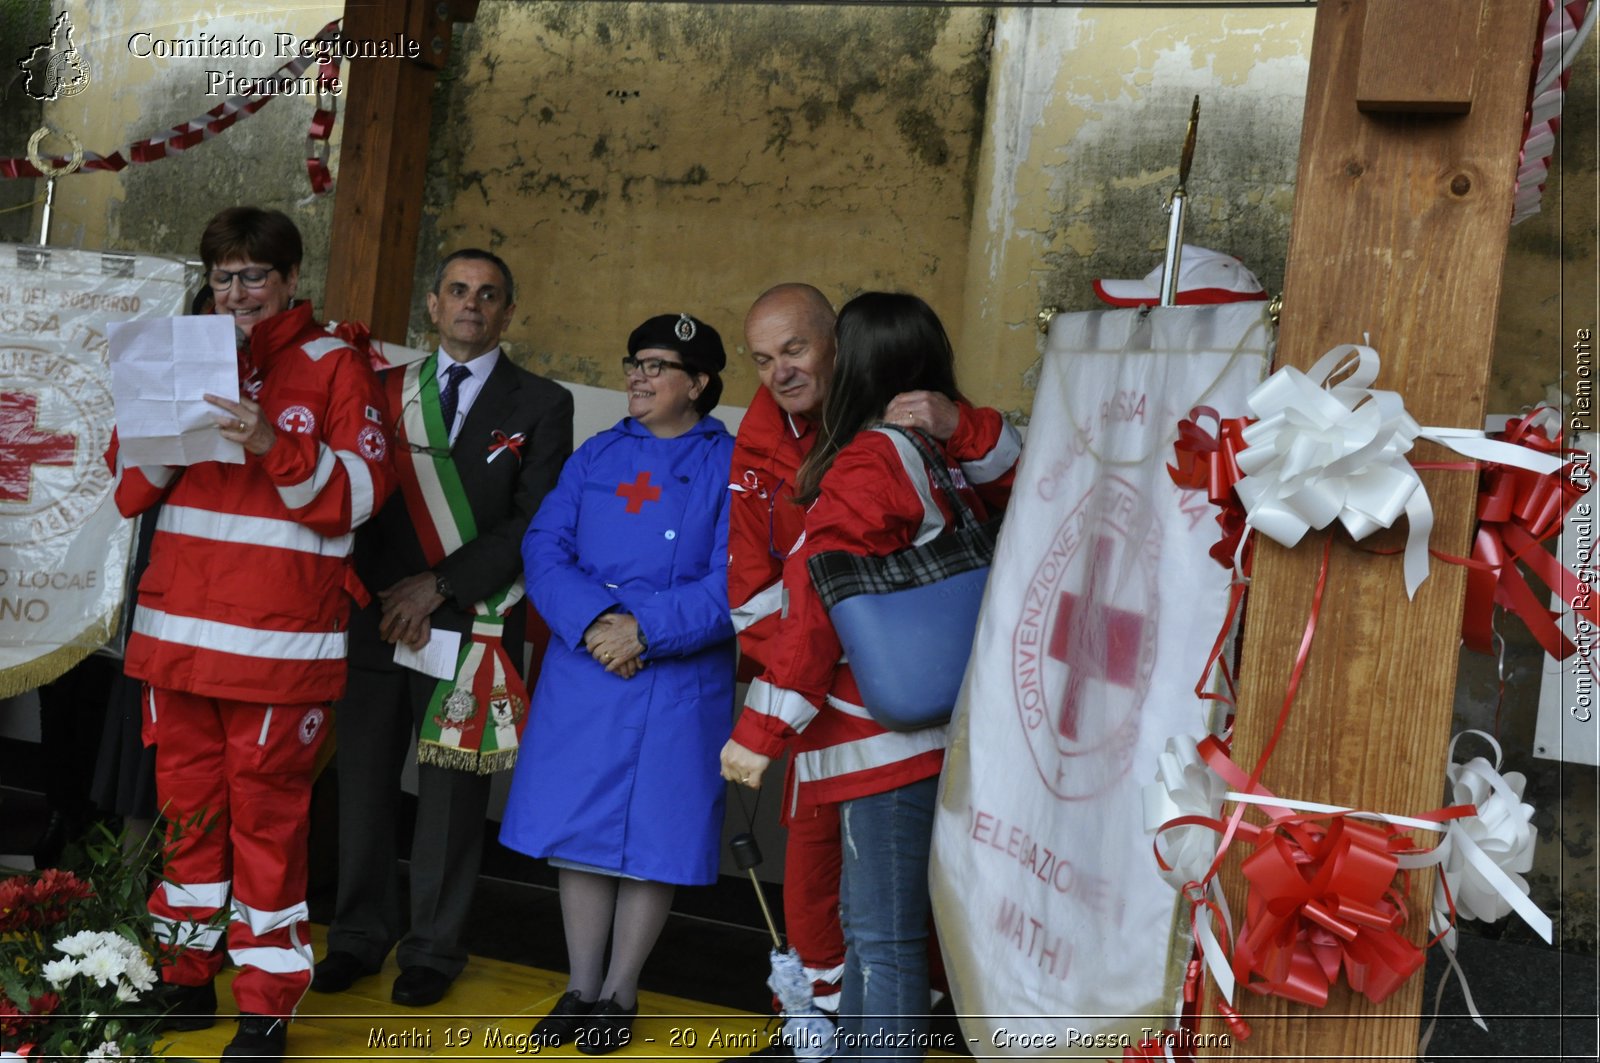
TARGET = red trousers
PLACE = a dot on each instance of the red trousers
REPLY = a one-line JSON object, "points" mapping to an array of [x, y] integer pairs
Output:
{"points": [[811, 863], [233, 779]]}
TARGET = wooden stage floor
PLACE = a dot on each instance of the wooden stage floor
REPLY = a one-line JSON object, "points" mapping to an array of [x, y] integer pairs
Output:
{"points": [[488, 1014]]}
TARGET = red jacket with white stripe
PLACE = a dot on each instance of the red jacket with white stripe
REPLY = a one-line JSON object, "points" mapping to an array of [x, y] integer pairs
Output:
{"points": [[875, 499], [764, 522], [247, 595]]}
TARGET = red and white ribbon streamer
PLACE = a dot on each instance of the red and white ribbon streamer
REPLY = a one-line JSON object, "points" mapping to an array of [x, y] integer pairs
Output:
{"points": [[213, 123], [1561, 34]]}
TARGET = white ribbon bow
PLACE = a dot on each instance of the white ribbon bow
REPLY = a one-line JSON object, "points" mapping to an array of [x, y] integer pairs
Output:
{"points": [[1323, 452], [1483, 858], [1184, 786]]}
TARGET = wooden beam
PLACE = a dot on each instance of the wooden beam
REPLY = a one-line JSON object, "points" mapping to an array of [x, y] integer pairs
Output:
{"points": [[377, 212], [1395, 77], [1400, 225]]}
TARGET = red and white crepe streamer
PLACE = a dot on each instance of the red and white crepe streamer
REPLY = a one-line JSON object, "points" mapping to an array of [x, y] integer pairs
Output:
{"points": [[1562, 32], [213, 123]]}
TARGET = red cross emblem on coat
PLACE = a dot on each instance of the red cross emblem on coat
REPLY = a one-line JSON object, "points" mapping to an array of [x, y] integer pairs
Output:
{"points": [[639, 492], [1094, 639], [23, 445]]}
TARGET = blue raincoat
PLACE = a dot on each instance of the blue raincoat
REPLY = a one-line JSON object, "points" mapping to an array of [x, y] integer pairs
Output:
{"points": [[623, 774]]}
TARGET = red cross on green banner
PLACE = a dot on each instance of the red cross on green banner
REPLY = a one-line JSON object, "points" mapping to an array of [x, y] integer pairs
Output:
{"points": [[639, 492], [1097, 642], [23, 445]]}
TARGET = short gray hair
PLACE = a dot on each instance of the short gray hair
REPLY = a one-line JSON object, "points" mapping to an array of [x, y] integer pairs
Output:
{"points": [[484, 256]]}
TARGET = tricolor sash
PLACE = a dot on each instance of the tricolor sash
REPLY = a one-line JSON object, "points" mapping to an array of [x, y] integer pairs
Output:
{"points": [[473, 721]]}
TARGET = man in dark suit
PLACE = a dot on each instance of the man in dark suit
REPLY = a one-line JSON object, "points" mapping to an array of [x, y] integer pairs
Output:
{"points": [[479, 442]]}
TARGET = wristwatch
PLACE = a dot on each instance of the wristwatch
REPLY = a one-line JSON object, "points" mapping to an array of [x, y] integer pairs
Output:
{"points": [[441, 585]]}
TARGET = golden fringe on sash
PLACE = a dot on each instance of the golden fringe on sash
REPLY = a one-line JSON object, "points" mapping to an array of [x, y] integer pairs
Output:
{"points": [[497, 760], [55, 664], [455, 759], [447, 756]]}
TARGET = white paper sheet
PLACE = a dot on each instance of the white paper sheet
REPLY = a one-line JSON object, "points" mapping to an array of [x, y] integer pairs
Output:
{"points": [[160, 370], [437, 658]]}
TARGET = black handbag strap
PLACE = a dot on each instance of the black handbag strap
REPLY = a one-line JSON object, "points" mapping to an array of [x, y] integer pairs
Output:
{"points": [[939, 472]]}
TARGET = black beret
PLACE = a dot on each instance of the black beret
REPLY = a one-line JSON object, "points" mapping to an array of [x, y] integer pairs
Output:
{"points": [[695, 341]]}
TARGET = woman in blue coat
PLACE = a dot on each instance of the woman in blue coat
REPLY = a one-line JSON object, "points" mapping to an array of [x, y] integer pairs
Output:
{"points": [[618, 784]]}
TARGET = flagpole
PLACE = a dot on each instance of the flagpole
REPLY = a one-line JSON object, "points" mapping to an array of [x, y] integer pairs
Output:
{"points": [[1180, 199]]}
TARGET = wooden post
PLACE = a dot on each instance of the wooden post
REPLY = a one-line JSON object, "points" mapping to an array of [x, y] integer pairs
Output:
{"points": [[382, 161], [1399, 231]]}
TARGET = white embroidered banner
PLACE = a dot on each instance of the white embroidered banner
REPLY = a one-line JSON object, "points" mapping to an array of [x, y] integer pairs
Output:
{"points": [[1100, 611], [63, 546]]}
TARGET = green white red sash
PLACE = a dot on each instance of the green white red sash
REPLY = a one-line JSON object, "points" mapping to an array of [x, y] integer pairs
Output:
{"points": [[473, 722]]}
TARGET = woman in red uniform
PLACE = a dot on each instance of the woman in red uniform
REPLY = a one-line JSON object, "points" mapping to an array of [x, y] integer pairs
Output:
{"points": [[239, 634], [870, 494]]}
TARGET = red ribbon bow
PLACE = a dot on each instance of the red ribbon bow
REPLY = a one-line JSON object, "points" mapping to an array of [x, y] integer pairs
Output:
{"points": [[1322, 896], [1209, 462], [1517, 511], [503, 442]]}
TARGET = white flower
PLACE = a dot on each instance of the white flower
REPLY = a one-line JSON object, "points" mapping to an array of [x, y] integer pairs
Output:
{"points": [[79, 943], [59, 972], [103, 965], [139, 974], [126, 994], [107, 1050]]}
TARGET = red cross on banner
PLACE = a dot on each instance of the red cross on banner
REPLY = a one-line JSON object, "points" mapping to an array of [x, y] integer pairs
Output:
{"points": [[1099, 642], [639, 492], [23, 445]]}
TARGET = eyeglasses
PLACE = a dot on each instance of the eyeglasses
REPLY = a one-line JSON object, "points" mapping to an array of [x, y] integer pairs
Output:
{"points": [[397, 433], [650, 367], [254, 278]]}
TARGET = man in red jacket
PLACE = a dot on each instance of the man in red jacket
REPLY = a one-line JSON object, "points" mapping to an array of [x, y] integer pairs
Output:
{"points": [[789, 331]]}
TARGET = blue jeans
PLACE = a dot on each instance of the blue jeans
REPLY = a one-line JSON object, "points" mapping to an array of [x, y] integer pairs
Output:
{"points": [[883, 898]]}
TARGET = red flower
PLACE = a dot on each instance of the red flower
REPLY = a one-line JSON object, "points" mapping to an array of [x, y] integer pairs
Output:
{"points": [[15, 898], [44, 1003], [52, 894], [13, 1023]]}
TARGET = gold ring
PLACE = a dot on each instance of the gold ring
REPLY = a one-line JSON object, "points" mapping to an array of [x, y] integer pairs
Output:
{"points": [[241, 426], [746, 780]]}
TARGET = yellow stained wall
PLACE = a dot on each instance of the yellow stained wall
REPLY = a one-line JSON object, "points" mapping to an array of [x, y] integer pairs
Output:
{"points": [[162, 206], [632, 159], [1087, 114]]}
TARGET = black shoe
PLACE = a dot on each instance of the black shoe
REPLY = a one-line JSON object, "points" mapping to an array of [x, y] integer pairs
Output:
{"points": [[259, 1037], [338, 971], [565, 1019], [609, 1028], [185, 1007], [417, 987]]}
